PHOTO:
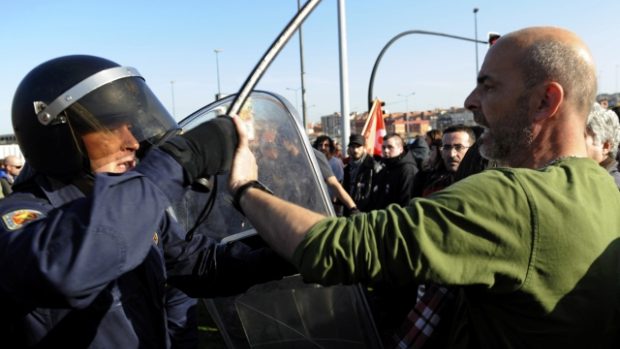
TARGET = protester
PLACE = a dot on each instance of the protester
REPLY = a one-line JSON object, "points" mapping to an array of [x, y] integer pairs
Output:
{"points": [[327, 146], [603, 138], [455, 145], [420, 150], [89, 247], [13, 166], [394, 182], [532, 246], [360, 173]]}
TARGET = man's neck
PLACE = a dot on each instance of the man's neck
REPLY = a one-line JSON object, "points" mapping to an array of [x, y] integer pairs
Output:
{"points": [[553, 141]]}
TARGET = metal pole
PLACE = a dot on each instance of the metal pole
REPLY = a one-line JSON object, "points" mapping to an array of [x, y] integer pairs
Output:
{"points": [[616, 89], [375, 67], [406, 113], [295, 92], [172, 94], [344, 72], [217, 68], [476, 37], [267, 58], [303, 72]]}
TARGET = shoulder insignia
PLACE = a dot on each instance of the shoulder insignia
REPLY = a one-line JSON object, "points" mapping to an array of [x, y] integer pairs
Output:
{"points": [[18, 218], [155, 238]]}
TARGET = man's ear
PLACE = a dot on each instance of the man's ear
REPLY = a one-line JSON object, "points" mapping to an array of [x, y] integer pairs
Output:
{"points": [[549, 101], [606, 148]]}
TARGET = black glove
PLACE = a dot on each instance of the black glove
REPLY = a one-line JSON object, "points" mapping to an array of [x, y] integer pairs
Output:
{"points": [[205, 150]]}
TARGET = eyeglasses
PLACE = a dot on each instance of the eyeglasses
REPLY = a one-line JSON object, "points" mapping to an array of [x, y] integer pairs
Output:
{"points": [[458, 147], [17, 167]]}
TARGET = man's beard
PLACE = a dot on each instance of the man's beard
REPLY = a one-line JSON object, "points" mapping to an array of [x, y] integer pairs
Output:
{"points": [[503, 142]]}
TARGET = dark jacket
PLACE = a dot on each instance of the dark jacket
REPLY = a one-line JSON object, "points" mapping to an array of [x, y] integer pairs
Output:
{"points": [[395, 182], [420, 151], [90, 271], [6, 186], [612, 168], [361, 187]]}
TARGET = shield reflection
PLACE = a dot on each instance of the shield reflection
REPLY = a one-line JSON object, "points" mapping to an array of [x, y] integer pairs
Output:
{"points": [[287, 313]]}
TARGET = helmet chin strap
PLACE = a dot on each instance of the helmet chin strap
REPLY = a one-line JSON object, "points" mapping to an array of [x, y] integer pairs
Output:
{"points": [[85, 183]]}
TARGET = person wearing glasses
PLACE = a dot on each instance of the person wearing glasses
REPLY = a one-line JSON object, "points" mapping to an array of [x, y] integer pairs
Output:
{"points": [[456, 142], [13, 166]]}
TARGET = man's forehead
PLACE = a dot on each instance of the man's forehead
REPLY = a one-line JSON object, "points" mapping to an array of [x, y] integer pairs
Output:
{"points": [[14, 161], [456, 137]]}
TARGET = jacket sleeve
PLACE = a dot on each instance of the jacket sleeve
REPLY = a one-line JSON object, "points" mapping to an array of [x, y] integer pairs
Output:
{"points": [[461, 236], [64, 256], [204, 268]]}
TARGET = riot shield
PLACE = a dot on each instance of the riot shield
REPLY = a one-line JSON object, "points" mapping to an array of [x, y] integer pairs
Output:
{"points": [[286, 313]]}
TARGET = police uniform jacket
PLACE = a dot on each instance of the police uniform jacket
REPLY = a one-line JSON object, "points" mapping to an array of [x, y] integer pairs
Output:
{"points": [[89, 271]]}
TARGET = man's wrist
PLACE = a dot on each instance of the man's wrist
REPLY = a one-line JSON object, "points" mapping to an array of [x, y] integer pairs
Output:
{"points": [[244, 188]]}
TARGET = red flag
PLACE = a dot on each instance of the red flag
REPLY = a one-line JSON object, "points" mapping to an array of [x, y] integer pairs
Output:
{"points": [[374, 129]]}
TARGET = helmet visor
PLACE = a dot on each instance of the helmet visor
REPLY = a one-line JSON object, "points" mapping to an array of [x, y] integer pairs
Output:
{"points": [[124, 102]]}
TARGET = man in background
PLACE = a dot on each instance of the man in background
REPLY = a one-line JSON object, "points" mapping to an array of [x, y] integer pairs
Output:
{"points": [[602, 139], [395, 181], [13, 166], [360, 173]]}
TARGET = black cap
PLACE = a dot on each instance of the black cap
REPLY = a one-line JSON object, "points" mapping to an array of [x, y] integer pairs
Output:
{"points": [[357, 140]]}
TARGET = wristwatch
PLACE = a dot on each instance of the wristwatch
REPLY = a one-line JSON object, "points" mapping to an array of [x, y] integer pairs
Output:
{"points": [[242, 189]]}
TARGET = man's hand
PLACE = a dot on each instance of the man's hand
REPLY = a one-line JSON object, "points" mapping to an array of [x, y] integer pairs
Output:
{"points": [[244, 167]]}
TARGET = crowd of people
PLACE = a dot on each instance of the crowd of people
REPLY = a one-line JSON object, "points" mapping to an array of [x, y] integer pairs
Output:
{"points": [[501, 236]]}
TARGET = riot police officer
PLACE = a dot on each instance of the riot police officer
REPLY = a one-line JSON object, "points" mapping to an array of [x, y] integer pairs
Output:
{"points": [[86, 243]]}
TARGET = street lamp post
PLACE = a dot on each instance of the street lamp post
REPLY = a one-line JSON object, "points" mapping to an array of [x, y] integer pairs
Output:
{"points": [[295, 92], [303, 72], [407, 111], [616, 87], [217, 70], [476, 36], [172, 95]]}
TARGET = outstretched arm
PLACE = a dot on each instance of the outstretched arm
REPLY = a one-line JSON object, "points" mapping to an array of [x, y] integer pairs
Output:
{"points": [[282, 224], [340, 192]]}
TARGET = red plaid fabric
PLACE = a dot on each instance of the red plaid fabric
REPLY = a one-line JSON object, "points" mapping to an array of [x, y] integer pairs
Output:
{"points": [[424, 317]]}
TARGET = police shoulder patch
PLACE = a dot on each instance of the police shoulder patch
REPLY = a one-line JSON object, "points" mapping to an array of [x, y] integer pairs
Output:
{"points": [[18, 218]]}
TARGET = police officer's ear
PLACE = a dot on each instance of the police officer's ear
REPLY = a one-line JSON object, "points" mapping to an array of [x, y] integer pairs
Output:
{"points": [[205, 150]]}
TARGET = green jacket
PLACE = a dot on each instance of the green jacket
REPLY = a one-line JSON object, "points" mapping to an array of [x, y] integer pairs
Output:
{"points": [[536, 253]]}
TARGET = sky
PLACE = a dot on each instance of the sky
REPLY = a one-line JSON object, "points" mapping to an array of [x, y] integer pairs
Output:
{"points": [[172, 44]]}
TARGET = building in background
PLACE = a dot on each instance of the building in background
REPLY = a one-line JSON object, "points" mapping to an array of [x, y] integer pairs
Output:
{"points": [[8, 146], [409, 125]]}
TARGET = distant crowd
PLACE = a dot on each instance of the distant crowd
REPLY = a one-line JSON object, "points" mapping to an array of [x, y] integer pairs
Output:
{"points": [[437, 159]]}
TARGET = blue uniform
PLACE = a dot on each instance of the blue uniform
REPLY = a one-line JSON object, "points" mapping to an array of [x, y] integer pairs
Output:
{"points": [[91, 270]]}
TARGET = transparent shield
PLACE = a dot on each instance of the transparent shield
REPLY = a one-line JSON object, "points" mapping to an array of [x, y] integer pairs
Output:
{"points": [[286, 164], [285, 313]]}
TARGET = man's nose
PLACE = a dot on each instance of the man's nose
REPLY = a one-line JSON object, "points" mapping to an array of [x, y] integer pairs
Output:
{"points": [[471, 102]]}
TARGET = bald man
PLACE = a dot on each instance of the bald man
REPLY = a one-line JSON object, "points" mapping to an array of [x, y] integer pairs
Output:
{"points": [[13, 166], [533, 247]]}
